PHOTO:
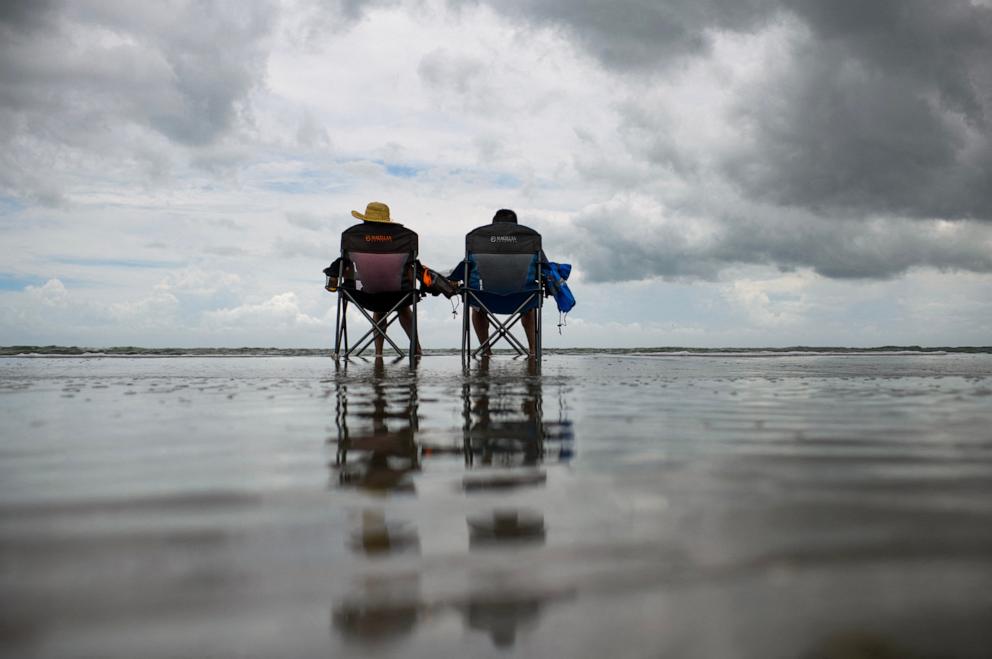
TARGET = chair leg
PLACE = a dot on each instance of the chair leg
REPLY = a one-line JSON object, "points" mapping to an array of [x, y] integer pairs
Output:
{"points": [[466, 335], [502, 330], [539, 321], [337, 331], [378, 329], [413, 333], [539, 330], [344, 327]]}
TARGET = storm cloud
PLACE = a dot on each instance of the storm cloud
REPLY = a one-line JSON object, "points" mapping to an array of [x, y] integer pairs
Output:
{"points": [[121, 80], [884, 108], [640, 35], [621, 241], [872, 119]]}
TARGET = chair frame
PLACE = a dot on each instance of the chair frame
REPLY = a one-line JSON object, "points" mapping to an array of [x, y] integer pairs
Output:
{"points": [[502, 328], [377, 328]]}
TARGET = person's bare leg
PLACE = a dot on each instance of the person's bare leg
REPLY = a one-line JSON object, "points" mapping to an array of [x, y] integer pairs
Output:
{"points": [[406, 320], [377, 316], [529, 321], [480, 321]]}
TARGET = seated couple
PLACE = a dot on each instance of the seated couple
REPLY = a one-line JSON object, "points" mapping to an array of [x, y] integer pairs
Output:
{"points": [[400, 238]]}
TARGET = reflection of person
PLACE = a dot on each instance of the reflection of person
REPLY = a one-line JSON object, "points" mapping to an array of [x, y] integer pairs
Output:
{"points": [[503, 432], [506, 220], [386, 441], [376, 217]]}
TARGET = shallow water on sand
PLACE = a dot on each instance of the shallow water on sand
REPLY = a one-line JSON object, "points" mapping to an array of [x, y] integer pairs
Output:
{"points": [[616, 504]]}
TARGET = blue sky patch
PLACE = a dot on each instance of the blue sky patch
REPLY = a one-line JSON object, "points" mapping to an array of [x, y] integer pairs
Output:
{"points": [[506, 181], [13, 282], [402, 171], [10, 205]]}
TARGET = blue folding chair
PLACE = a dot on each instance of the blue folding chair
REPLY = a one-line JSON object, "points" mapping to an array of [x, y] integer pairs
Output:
{"points": [[501, 274]]}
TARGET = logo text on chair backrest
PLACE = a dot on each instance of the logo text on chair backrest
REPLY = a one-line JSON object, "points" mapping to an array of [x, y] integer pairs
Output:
{"points": [[377, 238], [502, 239]]}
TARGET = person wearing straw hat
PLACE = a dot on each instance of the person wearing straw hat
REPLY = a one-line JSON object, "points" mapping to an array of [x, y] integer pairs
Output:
{"points": [[385, 230]]}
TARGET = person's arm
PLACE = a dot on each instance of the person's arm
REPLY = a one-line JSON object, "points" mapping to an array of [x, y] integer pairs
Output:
{"points": [[333, 270], [458, 272]]}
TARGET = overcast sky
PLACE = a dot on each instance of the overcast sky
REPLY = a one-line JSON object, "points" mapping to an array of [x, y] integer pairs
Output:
{"points": [[718, 172]]}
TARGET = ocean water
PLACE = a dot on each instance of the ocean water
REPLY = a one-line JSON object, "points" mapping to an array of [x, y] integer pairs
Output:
{"points": [[622, 504]]}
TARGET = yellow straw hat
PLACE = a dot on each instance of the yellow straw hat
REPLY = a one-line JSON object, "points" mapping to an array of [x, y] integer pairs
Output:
{"points": [[376, 211]]}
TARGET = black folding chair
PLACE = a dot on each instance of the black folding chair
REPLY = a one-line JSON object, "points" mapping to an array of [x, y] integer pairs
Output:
{"points": [[377, 273], [502, 275]]}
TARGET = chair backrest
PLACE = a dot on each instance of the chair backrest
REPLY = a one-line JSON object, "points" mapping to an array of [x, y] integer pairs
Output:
{"points": [[503, 257], [382, 255], [380, 273]]}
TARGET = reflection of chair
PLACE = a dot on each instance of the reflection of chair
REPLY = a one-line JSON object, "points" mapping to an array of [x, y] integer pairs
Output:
{"points": [[385, 440], [503, 425], [377, 272], [503, 421], [502, 275]]}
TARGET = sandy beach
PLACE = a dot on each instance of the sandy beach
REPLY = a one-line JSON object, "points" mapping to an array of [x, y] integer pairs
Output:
{"points": [[618, 504]]}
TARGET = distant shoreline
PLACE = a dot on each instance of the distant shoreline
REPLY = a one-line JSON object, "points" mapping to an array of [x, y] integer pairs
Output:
{"points": [[135, 351]]}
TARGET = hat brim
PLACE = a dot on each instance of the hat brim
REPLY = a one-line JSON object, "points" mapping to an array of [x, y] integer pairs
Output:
{"points": [[370, 219]]}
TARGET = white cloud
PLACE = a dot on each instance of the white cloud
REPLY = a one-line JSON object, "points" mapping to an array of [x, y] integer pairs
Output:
{"points": [[51, 294], [157, 310], [197, 281], [279, 312], [771, 302]]}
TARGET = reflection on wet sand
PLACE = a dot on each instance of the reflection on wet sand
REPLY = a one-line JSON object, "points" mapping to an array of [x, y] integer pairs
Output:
{"points": [[504, 526], [381, 450], [386, 443], [385, 611], [723, 506], [377, 535], [381, 609], [504, 425]]}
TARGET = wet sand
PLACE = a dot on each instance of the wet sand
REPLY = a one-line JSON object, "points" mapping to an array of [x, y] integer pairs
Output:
{"points": [[626, 505]]}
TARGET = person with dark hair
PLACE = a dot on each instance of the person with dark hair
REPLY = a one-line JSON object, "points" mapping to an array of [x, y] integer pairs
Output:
{"points": [[503, 225]]}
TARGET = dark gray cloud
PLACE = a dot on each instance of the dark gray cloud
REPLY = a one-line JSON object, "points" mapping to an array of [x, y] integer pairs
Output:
{"points": [[618, 242], [178, 68], [884, 109], [20, 16], [879, 107], [640, 34], [105, 80], [875, 110]]}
